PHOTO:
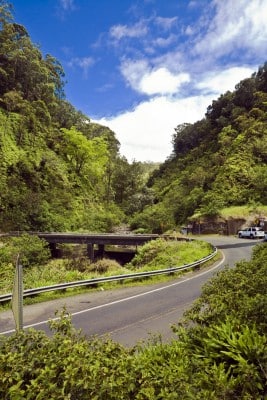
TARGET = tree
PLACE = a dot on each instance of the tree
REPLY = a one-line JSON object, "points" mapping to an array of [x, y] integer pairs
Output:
{"points": [[126, 181], [244, 93], [261, 78], [86, 157], [222, 107]]}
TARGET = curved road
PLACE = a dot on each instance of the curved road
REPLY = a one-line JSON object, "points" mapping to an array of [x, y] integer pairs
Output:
{"points": [[129, 315]]}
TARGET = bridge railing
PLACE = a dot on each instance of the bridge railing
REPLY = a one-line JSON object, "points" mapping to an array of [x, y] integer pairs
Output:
{"points": [[95, 281]]}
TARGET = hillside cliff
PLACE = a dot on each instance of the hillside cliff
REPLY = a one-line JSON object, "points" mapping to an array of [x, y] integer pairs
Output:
{"points": [[217, 162]]}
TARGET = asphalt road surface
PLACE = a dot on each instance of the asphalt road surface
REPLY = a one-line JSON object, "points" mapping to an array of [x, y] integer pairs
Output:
{"points": [[131, 315]]}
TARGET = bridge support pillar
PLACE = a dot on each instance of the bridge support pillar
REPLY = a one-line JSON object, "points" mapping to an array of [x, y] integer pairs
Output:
{"points": [[90, 251], [53, 250], [101, 249]]}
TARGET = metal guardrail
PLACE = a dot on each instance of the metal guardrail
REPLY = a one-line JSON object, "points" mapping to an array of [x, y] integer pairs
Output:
{"points": [[94, 281]]}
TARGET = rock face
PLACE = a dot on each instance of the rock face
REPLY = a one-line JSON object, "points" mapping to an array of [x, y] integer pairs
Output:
{"points": [[229, 226]]}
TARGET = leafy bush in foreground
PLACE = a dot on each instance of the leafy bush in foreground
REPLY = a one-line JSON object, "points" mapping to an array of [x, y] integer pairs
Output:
{"points": [[239, 293], [66, 366], [222, 355]]}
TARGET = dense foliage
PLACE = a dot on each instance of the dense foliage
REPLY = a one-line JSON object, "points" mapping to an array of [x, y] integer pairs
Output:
{"points": [[220, 352], [40, 270], [162, 254], [58, 170], [217, 162]]}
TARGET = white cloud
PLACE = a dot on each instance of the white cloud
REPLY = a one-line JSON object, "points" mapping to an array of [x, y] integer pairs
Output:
{"points": [[120, 31], [141, 78], [218, 82], [145, 133], [164, 42], [224, 29], [162, 81], [236, 25], [83, 62], [173, 60], [140, 28], [189, 30], [166, 23], [67, 4], [133, 71]]}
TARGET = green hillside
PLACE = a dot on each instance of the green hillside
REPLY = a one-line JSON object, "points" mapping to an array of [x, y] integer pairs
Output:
{"points": [[58, 170], [217, 163]]}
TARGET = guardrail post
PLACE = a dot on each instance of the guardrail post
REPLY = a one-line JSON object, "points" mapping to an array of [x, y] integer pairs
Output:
{"points": [[17, 296]]}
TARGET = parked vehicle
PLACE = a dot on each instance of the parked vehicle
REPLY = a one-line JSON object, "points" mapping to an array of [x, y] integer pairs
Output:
{"points": [[253, 232]]}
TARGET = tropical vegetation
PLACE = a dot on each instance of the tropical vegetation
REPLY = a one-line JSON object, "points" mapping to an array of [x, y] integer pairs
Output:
{"points": [[59, 171], [217, 163], [219, 353], [40, 270]]}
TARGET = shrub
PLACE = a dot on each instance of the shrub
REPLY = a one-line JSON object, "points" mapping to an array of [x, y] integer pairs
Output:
{"points": [[162, 253], [239, 292], [64, 366], [104, 265], [31, 250]]}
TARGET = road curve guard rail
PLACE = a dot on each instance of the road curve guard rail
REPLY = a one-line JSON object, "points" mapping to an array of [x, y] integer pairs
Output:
{"points": [[95, 281]]}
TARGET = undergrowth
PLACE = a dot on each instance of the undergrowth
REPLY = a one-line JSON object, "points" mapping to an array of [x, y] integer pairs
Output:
{"points": [[157, 254]]}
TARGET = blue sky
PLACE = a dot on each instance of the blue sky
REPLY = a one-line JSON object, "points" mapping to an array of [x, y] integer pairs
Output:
{"points": [[141, 67]]}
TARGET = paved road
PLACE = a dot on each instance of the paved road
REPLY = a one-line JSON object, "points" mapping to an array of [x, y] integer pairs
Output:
{"points": [[129, 315]]}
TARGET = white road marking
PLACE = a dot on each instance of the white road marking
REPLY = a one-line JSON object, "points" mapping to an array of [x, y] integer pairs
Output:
{"points": [[125, 299]]}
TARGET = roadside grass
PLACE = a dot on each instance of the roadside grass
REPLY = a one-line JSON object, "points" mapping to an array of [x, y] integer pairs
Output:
{"points": [[154, 255], [249, 211], [160, 254]]}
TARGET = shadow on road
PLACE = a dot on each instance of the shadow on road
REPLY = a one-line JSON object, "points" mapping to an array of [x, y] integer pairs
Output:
{"points": [[238, 245]]}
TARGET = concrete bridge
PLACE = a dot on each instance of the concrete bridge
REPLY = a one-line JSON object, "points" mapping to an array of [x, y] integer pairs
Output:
{"points": [[101, 240]]}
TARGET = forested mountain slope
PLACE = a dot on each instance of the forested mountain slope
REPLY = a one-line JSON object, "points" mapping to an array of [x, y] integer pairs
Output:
{"points": [[217, 162], [58, 170]]}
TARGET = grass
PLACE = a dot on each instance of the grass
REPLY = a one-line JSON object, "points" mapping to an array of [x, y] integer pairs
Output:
{"points": [[246, 212], [158, 254]]}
